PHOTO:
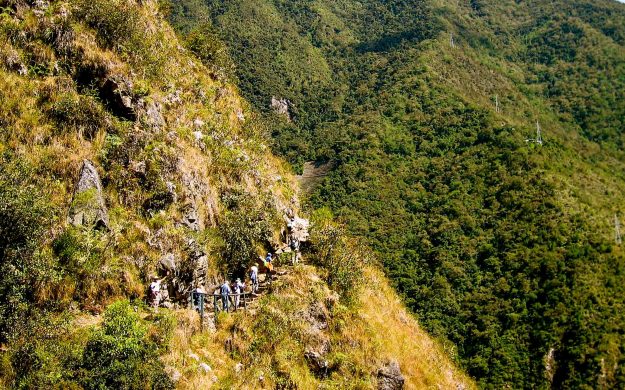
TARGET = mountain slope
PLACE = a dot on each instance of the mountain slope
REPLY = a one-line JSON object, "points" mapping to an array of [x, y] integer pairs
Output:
{"points": [[124, 156], [501, 246]]}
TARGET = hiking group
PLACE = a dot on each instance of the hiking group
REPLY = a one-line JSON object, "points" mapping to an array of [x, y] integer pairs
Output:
{"points": [[230, 294]]}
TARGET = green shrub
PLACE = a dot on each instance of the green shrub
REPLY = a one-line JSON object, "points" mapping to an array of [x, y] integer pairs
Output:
{"points": [[341, 257], [116, 22], [24, 216], [245, 225], [121, 355], [207, 46]]}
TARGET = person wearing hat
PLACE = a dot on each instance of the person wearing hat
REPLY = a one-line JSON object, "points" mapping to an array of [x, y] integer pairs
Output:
{"points": [[155, 291], [254, 277], [238, 290]]}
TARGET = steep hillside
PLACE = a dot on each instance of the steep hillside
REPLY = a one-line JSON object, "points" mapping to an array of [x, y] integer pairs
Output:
{"points": [[502, 246], [125, 156]]}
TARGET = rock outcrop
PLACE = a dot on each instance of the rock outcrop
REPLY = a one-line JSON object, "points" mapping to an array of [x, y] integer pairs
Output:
{"points": [[88, 207], [390, 377], [317, 363], [281, 107]]}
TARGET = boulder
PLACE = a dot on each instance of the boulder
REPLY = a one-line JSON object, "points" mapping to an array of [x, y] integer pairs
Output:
{"points": [[317, 363], [116, 91], [281, 107], [88, 207], [153, 115], [298, 229], [390, 377], [167, 263], [191, 218]]}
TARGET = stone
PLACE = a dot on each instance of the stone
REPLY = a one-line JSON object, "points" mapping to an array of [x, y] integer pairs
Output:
{"points": [[154, 116], [173, 98], [116, 90], [238, 367], [171, 189], [298, 229], [194, 356], [281, 107], [317, 363], [88, 207], [167, 263], [205, 368], [198, 123], [138, 167], [173, 373], [190, 218], [390, 377]]}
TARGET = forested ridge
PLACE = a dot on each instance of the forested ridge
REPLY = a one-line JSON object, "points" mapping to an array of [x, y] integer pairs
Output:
{"points": [[504, 248]]}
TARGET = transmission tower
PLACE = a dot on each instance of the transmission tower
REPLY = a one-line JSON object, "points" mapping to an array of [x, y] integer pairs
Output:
{"points": [[539, 138], [617, 230]]}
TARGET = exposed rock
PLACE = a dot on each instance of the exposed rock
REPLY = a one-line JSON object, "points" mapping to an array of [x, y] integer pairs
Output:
{"points": [[198, 137], [198, 123], [116, 91], [317, 363], [281, 107], [390, 377], [298, 229], [316, 316], [167, 263], [153, 115], [173, 98], [171, 188], [173, 373], [88, 207], [205, 368], [190, 218], [138, 167], [238, 368]]}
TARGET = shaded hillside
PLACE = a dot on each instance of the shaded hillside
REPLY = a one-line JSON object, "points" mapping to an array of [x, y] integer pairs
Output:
{"points": [[501, 246]]}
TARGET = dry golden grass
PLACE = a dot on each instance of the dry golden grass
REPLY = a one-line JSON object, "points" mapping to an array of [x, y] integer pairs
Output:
{"points": [[397, 335], [363, 338]]}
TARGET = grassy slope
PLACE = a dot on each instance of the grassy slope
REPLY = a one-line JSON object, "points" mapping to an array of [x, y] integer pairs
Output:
{"points": [[271, 342], [500, 246], [53, 116]]}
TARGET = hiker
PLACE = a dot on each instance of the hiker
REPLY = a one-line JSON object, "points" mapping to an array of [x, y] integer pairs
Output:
{"points": [[268, 266], [238, 290], [295, 250], [254, 277], [198, 295], [225, 292], [155, 291]]}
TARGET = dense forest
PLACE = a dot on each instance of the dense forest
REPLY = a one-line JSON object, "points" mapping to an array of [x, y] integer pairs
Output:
{"points": [[503, 247]]}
